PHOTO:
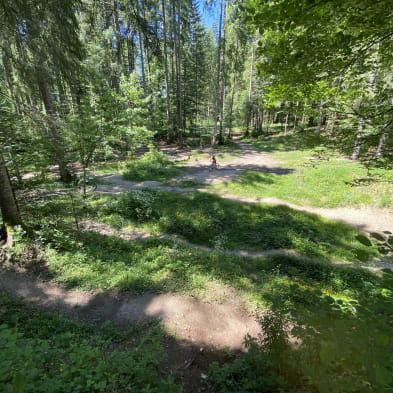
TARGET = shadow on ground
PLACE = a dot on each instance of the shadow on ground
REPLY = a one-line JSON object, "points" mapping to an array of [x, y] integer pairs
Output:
{"points": [[206, 219], [186, 358]]}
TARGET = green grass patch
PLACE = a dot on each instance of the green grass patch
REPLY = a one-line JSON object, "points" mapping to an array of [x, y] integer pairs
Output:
{"points": [[109, 166], [328, 182], [90, 260], [43, 352], [222, 224], [185, 184], [153, 165]]}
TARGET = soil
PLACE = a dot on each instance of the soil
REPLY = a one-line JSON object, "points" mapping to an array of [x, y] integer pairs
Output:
{"points": [[200, 329]]}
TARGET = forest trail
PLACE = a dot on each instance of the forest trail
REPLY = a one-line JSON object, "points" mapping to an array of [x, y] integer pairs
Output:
{"points": [[217, 320], [367, 219], [132, 235]]}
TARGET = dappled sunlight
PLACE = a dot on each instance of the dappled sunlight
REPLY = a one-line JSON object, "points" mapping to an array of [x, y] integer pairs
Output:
{"points": [[218, 325]]}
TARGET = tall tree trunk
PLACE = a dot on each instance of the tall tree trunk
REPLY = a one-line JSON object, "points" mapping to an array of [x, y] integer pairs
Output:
{"points": [[320, 117], [286, 124], [8, 205], [362, 123], [119, 43], [303, 121], [218, 76], [223, 81], [250, 88], [358, 141], [130, 55], [179, 93], [59, 156], [381, 145], [167, 98], [141, 53]]}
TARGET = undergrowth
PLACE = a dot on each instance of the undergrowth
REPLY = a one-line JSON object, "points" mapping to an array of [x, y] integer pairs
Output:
{"points": [[210, 220], [44, 352], [153, 165], [315, 342]]}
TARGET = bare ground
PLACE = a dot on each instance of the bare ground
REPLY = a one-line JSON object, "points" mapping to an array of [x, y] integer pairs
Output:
{"points": [[219, 319]]}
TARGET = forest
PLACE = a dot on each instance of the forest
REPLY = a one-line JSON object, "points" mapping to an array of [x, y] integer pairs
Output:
{"points": [[196, 196]]}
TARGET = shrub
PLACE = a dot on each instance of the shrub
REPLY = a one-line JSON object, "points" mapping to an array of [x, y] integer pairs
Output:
{"points": [[138, 205], [47, 354], [338, 349], [153, 165]]}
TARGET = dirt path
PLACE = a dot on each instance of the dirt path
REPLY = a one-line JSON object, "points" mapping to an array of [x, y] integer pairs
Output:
{"points": [[367, 219], [126, 234], [219, 319]]}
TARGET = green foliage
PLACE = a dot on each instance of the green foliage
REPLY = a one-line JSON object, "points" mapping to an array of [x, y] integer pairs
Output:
{"points": [[153, 165], [137, 204], [312, 341], [316, 176], [328, 60], [209, 220], [46, 353]]}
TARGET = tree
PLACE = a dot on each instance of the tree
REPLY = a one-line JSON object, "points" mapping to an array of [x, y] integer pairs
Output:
{"points": [[42, 37], [8, 206], [339, 42]]}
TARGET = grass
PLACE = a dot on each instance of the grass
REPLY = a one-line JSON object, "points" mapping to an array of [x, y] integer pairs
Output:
{"points": [[90, 260], [44, 352], [222, 224], [333, 310], [330, 329], [153, 165], [109, 166], [320, 183], [184, 184]]}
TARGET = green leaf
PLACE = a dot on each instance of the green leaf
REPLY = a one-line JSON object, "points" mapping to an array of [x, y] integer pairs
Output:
{"points": [[364, 240], [383, 376], [19, 383], [327, 353]]}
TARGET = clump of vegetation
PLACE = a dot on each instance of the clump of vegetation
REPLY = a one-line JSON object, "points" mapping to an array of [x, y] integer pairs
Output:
{"points": [[315, 341], [207, 219], [43, 352], [138, 204], [153, 165]]}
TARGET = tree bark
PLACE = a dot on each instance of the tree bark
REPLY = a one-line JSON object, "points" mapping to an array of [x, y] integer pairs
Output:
{"points": [[381, 145], [179, 93], [358, 141], [249, 109], [47, 98], [286, 124], [218, 75], [167, 98], [223, 84], [8, 204]]}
